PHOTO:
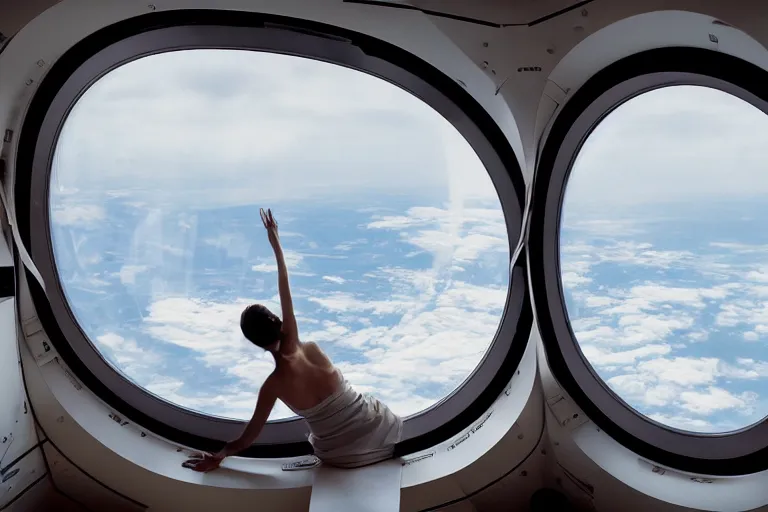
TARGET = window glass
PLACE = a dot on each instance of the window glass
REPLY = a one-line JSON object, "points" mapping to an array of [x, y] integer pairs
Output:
{"points": [[664, 257], [392, 230]]}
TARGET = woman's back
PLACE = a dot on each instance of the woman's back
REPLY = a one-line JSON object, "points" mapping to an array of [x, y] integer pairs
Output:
{"points": [[347, 429], [306, 377]]}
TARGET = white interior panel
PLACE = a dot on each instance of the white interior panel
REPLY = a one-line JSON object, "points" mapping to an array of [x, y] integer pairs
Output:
{"points": [[533, 436]]}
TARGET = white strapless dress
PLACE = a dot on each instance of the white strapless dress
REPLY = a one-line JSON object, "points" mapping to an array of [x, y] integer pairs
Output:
{"points": [[349, 429]]}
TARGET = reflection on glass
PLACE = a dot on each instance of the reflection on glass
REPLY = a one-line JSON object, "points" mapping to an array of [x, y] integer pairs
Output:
{"points": [[664, 257], [393, 233]]}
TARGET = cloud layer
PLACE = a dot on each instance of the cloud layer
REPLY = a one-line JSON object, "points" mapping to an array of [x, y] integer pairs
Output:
{"points": [[395, 241], [665, 273]]}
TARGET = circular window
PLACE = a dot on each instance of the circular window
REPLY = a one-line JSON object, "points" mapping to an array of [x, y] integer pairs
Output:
{"points": [[396, 225], [665, 275], [647, 257], [393, 233]]}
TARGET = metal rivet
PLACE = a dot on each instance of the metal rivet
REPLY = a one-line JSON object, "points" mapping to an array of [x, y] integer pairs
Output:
{"points": [[584, 13], [40, 63], [485, 45], [143, 434], [523, 473], [60, 419], [152, 7], [29, 81], [520, 436], [550, 51]]}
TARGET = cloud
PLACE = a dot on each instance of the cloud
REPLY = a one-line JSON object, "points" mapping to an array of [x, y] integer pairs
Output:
{"points": [[683, 422], [208, 327], [274, 127], [454, 236], [77, 214], [671, 145], [234, 244], [128, 273], [346, 302], [128, 355], [408, 332], [602, 357], [714, 399], [654, 321], [293, 260]]}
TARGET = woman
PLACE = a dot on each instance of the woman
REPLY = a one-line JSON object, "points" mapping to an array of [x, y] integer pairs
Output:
{"points": [[347, 429]]}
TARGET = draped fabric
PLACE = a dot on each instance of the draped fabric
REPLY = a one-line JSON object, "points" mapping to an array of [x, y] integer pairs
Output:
{"points": [[349, 429]]}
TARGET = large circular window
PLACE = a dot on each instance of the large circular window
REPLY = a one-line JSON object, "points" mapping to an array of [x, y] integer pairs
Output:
{"points": [[663, 257], [648, 257], [394, 235], [396, 225]]}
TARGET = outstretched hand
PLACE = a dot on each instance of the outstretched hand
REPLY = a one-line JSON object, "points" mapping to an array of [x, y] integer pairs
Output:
{"points": [[204, 462], [271, 226]]}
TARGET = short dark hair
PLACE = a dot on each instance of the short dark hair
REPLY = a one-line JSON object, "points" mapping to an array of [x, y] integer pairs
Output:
{"points": [[260, 326]]}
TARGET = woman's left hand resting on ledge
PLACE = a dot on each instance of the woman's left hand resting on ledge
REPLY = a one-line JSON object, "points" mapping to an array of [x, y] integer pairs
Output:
{"points": [[205, 462]]}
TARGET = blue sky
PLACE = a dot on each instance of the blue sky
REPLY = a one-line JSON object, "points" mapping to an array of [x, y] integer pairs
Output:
{"points": [[394, 237], [664, 256]]}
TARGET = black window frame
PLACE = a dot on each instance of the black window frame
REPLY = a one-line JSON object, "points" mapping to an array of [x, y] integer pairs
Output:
{"points": [[734, 453]]}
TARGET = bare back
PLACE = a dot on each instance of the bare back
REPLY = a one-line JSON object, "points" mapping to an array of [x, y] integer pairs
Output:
{"points": [[305, 378]]}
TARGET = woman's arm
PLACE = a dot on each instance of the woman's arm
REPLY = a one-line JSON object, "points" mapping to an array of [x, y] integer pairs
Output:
{"points": [[264, 405], [290, 328]]}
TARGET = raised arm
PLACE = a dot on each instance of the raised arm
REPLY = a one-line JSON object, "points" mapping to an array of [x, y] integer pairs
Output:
{"points": [[290, 328]]}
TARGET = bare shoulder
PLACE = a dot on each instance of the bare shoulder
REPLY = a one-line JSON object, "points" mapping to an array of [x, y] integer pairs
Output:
{"points": [[315, 354], [272, 383], [312, 349], [310, 345]]}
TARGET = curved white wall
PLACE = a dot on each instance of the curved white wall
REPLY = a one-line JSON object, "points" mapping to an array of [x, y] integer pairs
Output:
{"points": [[514, 448], [21, 461]]}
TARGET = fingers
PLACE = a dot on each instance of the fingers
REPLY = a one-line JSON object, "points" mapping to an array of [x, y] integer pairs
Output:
{"points": [[267, 218], [201, 465], [271, 218], [194, 464]]}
